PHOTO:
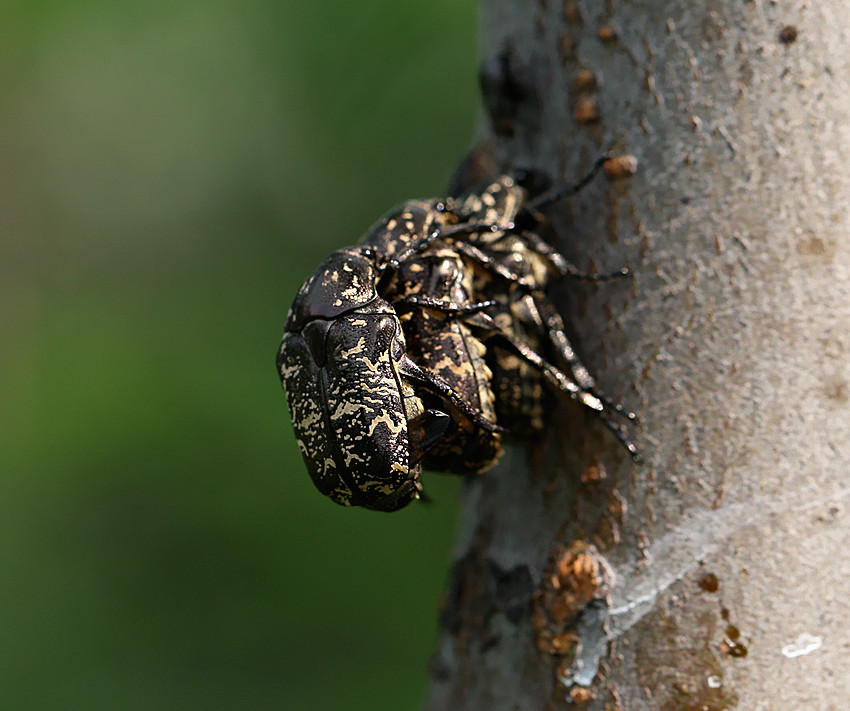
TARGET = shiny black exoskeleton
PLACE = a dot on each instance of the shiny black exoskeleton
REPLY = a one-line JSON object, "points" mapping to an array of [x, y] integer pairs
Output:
{"points": [[427, 343]]}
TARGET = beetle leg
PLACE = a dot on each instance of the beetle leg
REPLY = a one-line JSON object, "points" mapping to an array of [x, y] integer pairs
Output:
{"points": [[553, 326], [447, 232], [541, 202], [559, 381], [475, 253], [560, 264], [472, 228], [577, 386], [550, 320], [558, 261], [448, 307], [580, 387], [412, 371], [430, 426], [417, 245]]}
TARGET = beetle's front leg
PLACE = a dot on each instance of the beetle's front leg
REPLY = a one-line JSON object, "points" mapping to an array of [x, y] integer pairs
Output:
{"points": [[440, 387]]}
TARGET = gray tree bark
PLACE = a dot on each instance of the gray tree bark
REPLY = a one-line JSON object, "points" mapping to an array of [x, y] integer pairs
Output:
{"points": [[717, 574]]}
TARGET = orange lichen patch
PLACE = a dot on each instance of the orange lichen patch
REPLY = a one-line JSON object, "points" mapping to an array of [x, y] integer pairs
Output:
{"points": [[607, 34], [586, 110], [581, 695], [621, 166], [575, 576], [585, 80], [572, 14], [618, 506], [564, 643], [593, 472]]}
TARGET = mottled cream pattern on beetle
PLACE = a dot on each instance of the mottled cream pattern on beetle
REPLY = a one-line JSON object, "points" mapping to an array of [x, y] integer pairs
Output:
{"points": [[429, 342]]}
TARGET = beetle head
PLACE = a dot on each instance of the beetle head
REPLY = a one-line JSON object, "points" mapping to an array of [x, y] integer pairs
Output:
{"points": [[342, 284]]}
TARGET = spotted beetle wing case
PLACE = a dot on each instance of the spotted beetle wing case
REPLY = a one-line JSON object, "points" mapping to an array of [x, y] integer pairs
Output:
{"points": [[339, 364]]}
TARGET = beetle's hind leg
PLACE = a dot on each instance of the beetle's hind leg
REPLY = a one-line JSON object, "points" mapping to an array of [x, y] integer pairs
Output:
{"points": [[585, 394], [541, 202], [488, 260], [549, 321], [441, 387], [562, 265]]}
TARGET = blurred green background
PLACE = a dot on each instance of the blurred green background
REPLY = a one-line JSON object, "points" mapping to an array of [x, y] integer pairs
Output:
{"points": [[169, 173]]}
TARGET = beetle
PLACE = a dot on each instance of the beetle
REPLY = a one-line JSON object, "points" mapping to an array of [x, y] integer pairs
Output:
{"points": [[516, 268], [434, 299], [351, 388], [416, 345]]}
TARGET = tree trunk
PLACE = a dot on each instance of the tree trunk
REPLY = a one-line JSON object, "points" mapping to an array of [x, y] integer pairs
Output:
{"points": [[716, 574]]}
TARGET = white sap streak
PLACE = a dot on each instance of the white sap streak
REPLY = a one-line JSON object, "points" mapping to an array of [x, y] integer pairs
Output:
{"points": [[804, 644], [696, 538]]}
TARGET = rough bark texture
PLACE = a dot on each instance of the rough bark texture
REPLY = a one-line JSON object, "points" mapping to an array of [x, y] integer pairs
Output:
{"points": [[717, 574]]}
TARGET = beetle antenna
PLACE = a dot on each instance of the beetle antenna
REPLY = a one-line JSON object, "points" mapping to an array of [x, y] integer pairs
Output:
{"points": [[549, 198]]}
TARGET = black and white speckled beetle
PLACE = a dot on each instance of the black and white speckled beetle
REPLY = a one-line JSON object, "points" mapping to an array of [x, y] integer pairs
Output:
{"points": [[352, 389], [385, 356]]}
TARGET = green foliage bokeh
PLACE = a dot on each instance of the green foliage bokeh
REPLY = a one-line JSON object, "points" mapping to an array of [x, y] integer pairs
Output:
{"points": [[169, 174]]}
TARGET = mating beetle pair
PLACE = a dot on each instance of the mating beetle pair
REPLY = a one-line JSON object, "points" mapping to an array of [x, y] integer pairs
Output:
{"points": [[427, 343]]}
